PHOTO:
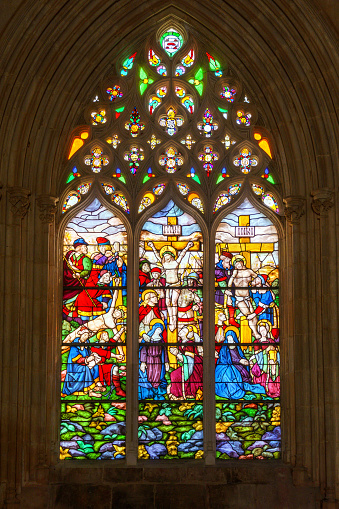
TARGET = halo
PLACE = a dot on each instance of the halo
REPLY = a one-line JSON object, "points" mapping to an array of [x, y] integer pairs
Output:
{"points": [[238, 256], [123, 310], [234, 329], [145, 292], [264, 321], [154, 321], [168, 249], [100, 333], [193, 328]]}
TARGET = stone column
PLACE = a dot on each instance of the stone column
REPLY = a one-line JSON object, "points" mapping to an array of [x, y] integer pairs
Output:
{"points": [[295, 391], [44, 306], [14, 341], [322, 203]]}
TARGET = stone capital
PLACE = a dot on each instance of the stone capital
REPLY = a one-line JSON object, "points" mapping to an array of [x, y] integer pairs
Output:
{"points": [[294, 208], [47, 206], [322, 201], [19, 199]]}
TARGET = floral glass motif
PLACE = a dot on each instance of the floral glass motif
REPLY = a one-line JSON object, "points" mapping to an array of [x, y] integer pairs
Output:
{"points": [[108, 188], [223, 174], [263, 143], [148, 176], [127, 65], [245, 162], [146, 201], [155, 99], [214, 65], [74, 173], [162, 70], [134, 156], [228, 93], [270, 202], [207, 126], [186, 100], [72, 199], [171, 159], [223, 199], [120, 199], [119, 175], [170, 337], [153, 141], [93, 348], [197, 80], [114, 93], [159, 189], [258, 190], [193, 175], [96, 160], [183, 189], [144, 80], [247, 351], [114, 141], [234, 189], [118, 111], [186, 61], [208, 156], [171, 121], [78, 142], [223, 111], [243, 118], [98, 117], [84, 188], [195, 200], [154, 61], [268, 176], [180, 70], [188, 141], [227, 141], [134, 126], [171, 41]]}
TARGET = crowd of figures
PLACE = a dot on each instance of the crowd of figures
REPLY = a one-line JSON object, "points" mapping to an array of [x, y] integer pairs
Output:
{"points": [[94, 306], [246, 330], [170, 322]]}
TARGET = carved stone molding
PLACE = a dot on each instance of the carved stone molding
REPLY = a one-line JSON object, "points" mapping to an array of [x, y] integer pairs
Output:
{"points": [[19, 199], [47, 206], [294, 208], [322, 201]]}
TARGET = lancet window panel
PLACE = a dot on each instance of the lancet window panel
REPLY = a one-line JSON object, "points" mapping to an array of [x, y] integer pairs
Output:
{"points": [[172, 142], [93, 343], [247, 337]]}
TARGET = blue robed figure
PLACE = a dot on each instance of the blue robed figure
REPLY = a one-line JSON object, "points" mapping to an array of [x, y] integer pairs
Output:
{"points": [[79, 377], [232, 377]]}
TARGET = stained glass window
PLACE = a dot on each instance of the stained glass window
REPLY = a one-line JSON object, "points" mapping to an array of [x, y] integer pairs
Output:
{"points": [[171, 149], [93, 347], [170, 388], [247, 350]]}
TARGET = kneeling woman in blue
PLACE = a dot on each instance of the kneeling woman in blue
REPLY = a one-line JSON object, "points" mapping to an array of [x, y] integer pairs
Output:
{"points": [[232, 376], [82, 375]]}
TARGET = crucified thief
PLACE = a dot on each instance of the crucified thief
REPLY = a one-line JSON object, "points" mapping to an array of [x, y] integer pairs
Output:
{"points": [[240, 279]]}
